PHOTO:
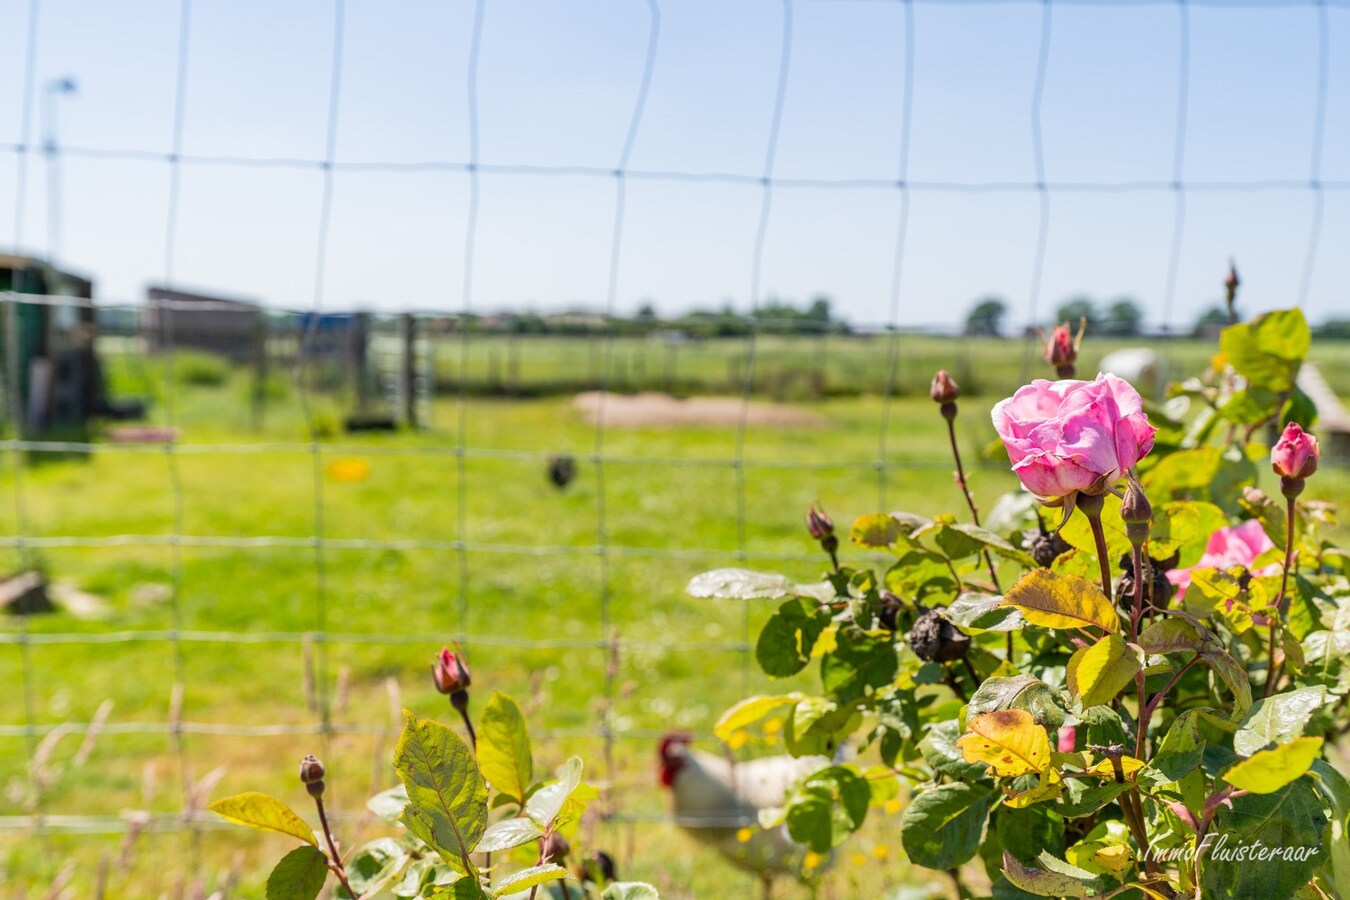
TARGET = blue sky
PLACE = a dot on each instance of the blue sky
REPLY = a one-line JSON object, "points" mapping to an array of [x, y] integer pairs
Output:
{"points": [[557, 84]]}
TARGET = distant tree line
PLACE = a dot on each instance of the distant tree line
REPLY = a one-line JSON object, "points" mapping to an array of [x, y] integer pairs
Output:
{"points": [[1120, 318]]}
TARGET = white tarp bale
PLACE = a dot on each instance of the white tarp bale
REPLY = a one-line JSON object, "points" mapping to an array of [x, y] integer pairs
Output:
{"points": [[1137, 365]]}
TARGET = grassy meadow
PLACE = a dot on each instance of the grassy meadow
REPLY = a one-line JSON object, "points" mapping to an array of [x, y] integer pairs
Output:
{"points": [[225, 652]]}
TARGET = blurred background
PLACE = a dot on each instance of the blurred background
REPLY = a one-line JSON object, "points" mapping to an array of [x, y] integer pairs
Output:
{"points": [[306, 303]]}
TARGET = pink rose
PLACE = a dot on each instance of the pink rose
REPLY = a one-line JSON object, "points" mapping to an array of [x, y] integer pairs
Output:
{"points": [[1295, 453], [1069, 436], [1061, 349], [1233, 546]]}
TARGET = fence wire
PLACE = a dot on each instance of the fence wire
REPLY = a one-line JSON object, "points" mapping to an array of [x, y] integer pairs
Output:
{"points": [[604, 552]]}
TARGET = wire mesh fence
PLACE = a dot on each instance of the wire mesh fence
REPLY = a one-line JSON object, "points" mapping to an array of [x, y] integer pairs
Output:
{"points": [[321, 497]]}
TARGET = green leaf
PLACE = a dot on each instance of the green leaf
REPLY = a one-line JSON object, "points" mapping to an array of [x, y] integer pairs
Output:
{"points": [[1083, 798], [508, 833], [630, 890], [1170, 635], [447, 797], [528, 878], [817, 725], [1268, 350], [1056, 879], [1337, 791], [826, 807], [1052, 600], [739, 584], [1098, 673], [940, 751], [959, 540], [1018, 692], [545, 803], [788, 637], [1269, 770], [1182, 747], [879, 530], [983, 612], [1288, 818], [860, 663], [299, 876], [1278, 719], [264, 812], [504, 748], [1183, 527], [466, 888], [376, 864], [942, 825], [752, 710], [1233, 675], [388, 805]]}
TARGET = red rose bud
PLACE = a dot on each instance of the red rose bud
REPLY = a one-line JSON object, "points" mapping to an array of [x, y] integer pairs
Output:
{"points": [[819, 524], [1230, 283], [450, 673], [311, 775], [1061, 351], [1295, 453], [944, 389]]}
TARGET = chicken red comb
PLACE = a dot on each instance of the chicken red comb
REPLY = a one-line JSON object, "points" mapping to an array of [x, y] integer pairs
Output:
{"points": [[673, 739]]}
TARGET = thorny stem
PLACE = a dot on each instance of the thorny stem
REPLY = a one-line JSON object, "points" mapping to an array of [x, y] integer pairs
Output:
{"points": [[1141, 730], [335, 858], [1272, 675], [970, 501], [468, 726]]}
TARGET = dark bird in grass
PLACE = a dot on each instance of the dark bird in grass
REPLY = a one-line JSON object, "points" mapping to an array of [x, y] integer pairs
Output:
{"points": [[561, 470]]}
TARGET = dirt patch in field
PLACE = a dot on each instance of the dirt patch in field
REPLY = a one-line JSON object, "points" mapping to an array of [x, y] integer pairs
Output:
{"points": [[653, 410]]}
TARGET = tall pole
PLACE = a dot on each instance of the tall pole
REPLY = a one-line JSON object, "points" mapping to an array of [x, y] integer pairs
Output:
{"points": [[54, 88]]}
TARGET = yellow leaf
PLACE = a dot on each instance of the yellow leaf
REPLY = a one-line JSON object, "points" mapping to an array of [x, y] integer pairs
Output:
{"points": [[264, 812], [1050, 787], [1008, 740], [1266, 771], [750, 711], [1098, 673], [1128, 766], [1114, 858], [1052, 600]]}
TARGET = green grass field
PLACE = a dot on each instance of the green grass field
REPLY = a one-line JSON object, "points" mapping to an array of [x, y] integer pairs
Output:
{"points": [[237, 624]]}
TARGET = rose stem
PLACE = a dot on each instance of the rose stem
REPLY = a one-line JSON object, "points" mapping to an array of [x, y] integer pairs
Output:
{"points": [[336, 862], [970, 501], [1091, 505], [1271, 674], [1144, 709]]}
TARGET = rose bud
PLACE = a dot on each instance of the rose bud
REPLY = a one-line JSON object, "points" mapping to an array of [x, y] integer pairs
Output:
{"points": [[311, 775], [450, 673], [553, 847], [819, 524], [1230, 283], [945, 391], [1295, 454], [934, 639], [1136, 512], [1061, 351]]}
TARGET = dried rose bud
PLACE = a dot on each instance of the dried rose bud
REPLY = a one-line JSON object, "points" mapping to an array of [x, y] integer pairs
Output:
{"points": [[553, 847], [934, 639], [1295, 454], [1046, 548], [818, 524], [1158, 590], [450, 673], [311, 775], [889, 612]]}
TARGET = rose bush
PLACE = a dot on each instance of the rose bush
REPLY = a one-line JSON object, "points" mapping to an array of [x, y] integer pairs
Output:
{"points": [[1061, 724]]}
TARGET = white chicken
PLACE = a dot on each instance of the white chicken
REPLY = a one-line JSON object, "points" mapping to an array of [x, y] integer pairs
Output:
{"points": [[718, 802]]}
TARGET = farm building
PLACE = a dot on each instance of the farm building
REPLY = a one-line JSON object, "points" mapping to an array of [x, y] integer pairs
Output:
{"points": [[59, 382], [182, 320]]}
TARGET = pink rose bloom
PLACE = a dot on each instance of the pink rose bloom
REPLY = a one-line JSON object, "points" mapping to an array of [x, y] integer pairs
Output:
{"points": [[1234, 546], [1295, 453], [1067, 738], [1069, 436]]}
